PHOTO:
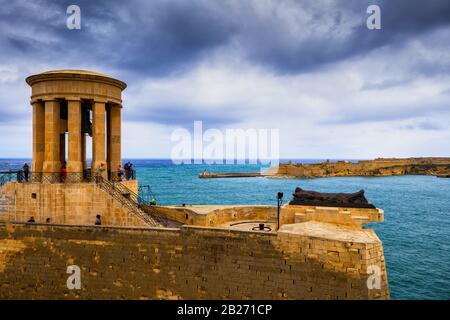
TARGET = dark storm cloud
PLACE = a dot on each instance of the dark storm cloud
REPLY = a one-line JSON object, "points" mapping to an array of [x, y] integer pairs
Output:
{"points": [[401, 20], [162, 37], [156, 37]]}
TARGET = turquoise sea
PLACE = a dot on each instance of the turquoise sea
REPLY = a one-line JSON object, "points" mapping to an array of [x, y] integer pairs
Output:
{"points": [[415, 234]]}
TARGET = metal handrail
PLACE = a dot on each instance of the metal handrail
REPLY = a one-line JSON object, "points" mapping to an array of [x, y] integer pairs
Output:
{"points": [[122, 176], [52, 177], [146, 195], [137, 199], [130, 199], [129, 193], [9, 175]]}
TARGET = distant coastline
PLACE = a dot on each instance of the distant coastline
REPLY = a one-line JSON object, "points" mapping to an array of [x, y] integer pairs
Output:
{"points": [[434, 166]]}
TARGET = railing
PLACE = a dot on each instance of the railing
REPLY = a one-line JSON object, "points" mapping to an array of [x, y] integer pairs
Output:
{"points": [[129, 199], [7, 176], [57, 177], [146, 195], [122, 176]]}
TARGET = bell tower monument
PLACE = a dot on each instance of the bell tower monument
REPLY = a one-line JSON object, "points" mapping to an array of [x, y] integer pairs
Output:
{"points": [[79, 103]]}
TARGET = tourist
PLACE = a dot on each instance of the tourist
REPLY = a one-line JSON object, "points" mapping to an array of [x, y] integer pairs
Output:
{"points": [[98, 220], [101, 170], [130, 166], [127, 170], [64, 172], [26, 171], [31, 220], [120, 172]]}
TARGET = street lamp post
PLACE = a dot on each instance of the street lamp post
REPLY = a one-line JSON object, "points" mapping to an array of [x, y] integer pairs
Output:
{"points": [[279, 200]]}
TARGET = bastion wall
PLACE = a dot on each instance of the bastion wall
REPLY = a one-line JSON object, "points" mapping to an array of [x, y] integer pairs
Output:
{"points": [[219, 215], [188, 263]]}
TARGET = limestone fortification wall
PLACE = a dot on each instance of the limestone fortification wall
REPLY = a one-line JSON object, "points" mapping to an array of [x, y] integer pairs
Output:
{"points": [[354, 217], [187, 263], [216, 215], [66, 203], [219, 215], [377, 167]]}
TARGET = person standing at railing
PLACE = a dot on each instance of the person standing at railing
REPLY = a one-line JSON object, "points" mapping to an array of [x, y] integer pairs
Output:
{"points": [[127, 170], [101, 170], [131, 171], [26, 171], [120, 172], [63, 172]]}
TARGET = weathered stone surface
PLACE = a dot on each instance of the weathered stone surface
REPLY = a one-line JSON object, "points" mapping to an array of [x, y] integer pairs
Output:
{"points": [[67, 203], [189, 263]]}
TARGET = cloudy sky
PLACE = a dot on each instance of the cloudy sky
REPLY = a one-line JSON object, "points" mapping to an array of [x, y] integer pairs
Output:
{"points": [[309, 68]]}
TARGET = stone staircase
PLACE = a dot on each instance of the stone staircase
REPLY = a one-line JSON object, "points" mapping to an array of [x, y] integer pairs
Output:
{"points": [[132, 201]]}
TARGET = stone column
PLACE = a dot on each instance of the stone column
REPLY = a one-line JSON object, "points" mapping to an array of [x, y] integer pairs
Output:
{"points": [[74, 163], [114, 141], [38, 136], [52, 137], [98, 137]]}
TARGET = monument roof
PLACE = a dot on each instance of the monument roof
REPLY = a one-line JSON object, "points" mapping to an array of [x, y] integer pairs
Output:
{"points": [[52, 74], [73, 71]]}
